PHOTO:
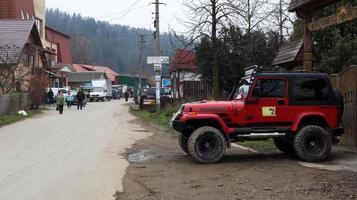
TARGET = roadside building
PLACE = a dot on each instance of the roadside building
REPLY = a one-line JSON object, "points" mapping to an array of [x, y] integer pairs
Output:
{"points": [[290, 56], [186, 80], [21, 54], [83, 79], [59, 44], [56, 43], [110, 74]]}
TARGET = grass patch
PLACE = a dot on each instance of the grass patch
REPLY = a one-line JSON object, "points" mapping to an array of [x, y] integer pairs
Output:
{"points": [[266, 145], [161, 119], [10, 119]]}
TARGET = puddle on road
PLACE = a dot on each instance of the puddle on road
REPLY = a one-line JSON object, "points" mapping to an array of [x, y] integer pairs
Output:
{"points": [[141, 156]]}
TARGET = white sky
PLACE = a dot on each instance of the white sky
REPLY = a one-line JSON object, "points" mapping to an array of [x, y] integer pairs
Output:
{"points": [[114, 11]]}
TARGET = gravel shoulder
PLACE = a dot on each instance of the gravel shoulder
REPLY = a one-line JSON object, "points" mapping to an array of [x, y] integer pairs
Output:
{"points": [[160, 170]]}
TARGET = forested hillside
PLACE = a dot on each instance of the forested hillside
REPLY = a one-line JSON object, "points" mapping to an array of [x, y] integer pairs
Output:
{"points": [[101, 43]]}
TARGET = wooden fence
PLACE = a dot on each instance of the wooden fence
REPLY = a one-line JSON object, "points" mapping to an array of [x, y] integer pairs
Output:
{"points": [[346, 81], [196, 90]]}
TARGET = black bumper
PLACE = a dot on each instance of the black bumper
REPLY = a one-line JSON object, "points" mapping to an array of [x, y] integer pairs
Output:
{"points": [[179, 126]]}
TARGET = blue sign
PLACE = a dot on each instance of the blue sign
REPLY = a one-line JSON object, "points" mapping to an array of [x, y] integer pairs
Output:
{"points": [[166, 82]]}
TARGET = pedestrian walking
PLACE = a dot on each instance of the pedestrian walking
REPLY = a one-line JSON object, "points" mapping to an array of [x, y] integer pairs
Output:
{"points": [[69, 100], [60, 103], [126, 95], [80, 98], [50, 97]]}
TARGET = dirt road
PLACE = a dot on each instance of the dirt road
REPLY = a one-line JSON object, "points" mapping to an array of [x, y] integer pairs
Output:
{"points": [[76, 156], [160, 170]]}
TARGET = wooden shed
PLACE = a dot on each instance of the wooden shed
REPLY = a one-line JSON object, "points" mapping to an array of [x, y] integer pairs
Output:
{"points": [[346, 81]]}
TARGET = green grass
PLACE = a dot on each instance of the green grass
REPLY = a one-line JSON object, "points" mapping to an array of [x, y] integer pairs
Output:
{"points": [[266, 145], [10, 119], [161, 119]]}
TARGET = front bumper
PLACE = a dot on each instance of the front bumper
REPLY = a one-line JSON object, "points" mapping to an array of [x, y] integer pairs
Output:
{"points": [[179, 126]]}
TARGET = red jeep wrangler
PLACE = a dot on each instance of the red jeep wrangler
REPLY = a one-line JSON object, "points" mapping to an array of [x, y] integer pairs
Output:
{"points": [[300, 111]]}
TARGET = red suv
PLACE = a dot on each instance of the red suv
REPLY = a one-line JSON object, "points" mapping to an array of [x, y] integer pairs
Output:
{"points": [[300, 111]]}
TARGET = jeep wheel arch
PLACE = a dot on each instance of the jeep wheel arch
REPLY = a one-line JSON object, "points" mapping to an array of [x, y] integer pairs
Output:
{"points": [[309, 119]]}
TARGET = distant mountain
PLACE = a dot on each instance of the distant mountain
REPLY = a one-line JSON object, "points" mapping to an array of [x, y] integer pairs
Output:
{"points": [[101, 43]]}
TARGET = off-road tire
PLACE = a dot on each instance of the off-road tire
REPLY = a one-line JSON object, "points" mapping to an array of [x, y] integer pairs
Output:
{"points": [[207, 145], [313, 143], [183, 143], [284, 146]]}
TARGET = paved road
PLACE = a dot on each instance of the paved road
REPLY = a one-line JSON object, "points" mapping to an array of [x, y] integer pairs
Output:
{"points": [[74, 156]]}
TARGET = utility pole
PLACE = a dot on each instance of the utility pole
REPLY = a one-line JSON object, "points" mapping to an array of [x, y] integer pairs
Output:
{"points": [[141, 61], [158, 66]]}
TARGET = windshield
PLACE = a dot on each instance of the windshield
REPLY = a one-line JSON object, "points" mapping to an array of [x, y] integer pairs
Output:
{"points": [[98, 89], [242, 90]]}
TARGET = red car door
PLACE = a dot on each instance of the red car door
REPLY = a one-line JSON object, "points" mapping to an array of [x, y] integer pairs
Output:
{"points": [[267, 104]]}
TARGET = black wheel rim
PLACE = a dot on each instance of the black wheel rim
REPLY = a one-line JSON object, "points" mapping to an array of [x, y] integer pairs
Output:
{"points": [[314, 144], [208, 145]]}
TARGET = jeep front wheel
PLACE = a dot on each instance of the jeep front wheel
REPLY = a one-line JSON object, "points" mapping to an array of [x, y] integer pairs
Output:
{"points": [[183, 143], [207, 145], [313, 143]]}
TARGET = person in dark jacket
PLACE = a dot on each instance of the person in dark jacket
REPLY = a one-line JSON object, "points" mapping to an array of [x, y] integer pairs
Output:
{"points": [[80, 97], [126, 95], [50, 97]]}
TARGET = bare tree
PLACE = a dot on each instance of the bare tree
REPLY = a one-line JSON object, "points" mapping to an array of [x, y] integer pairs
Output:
{"points": [[252, 14], [205, 19], [9, 61]]}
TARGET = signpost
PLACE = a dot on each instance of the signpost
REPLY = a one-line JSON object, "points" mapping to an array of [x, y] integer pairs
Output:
{"points": [[158, 61]]}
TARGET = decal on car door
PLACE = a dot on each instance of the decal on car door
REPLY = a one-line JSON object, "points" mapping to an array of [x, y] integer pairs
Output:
{"points": [[269, 111]]}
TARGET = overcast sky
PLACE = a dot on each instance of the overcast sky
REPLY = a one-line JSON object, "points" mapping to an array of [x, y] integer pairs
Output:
{"points": [[135, 13]]}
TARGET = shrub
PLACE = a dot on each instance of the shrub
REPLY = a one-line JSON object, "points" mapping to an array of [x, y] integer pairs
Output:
{"points": [[37, 90]]}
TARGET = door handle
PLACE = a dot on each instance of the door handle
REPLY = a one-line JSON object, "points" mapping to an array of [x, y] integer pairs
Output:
{"points": [[281, 102]]}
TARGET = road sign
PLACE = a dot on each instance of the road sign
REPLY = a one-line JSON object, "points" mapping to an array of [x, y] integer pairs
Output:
{"points": [[158, 60]]}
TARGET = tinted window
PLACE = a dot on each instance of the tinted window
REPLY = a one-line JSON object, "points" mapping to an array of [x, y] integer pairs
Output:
{"points": [[310, 89], [271, 88]]}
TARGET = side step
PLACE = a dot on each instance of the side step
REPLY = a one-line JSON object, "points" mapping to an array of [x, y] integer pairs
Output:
{"points": [[260, 135]]}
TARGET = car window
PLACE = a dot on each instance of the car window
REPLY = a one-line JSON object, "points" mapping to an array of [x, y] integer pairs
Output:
{"points": [[310, 89], [271, 88]]}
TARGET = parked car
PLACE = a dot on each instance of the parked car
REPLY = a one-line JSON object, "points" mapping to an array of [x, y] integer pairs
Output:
{"points": [[147, 98], [299, 110]]}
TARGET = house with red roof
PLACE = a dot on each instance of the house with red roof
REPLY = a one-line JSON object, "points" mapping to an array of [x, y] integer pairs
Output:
{"points": [[110, 74], [186, 80]]}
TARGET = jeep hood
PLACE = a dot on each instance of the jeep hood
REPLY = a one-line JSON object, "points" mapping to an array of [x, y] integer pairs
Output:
{"points": [[208, 107]]}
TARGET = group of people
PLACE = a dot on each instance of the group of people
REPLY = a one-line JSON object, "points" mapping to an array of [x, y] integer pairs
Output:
{"points": [[61, 100]]}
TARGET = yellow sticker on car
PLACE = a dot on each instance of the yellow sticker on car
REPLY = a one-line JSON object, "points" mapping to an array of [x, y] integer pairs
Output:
{"points": [[269, 111]]}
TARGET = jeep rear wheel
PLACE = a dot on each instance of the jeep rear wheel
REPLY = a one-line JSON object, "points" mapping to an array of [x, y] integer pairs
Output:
{"points": [[183, 143], [313, 143], [207, 145], [284, 146]]}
